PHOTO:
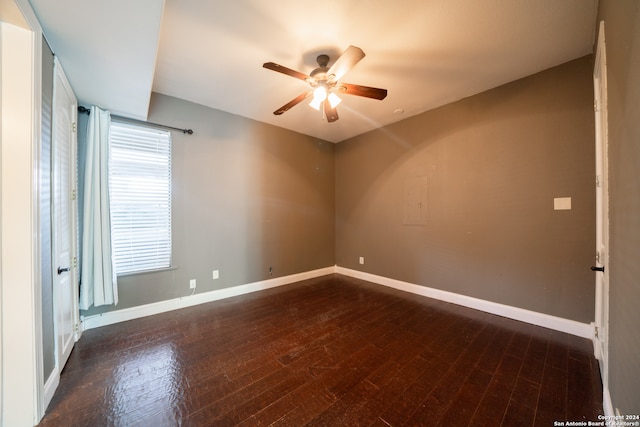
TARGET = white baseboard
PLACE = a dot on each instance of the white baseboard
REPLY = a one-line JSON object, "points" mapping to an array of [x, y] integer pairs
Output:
{"points": [[50, 387], [572, 327], [125, 314]]}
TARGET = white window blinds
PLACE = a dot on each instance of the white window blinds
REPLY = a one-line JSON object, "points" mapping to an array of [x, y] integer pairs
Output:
{"points": [[140, 196]]}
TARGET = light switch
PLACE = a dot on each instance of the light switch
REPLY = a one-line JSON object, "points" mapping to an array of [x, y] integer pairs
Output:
{"points": [[562, 203]]}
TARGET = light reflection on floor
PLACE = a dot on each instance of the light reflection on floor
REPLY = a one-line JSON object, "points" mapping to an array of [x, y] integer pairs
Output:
{"points": [[147, 387]]}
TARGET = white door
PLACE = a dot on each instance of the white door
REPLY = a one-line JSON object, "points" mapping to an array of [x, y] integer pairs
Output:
{"points": [[64, 216], [600, 267]]}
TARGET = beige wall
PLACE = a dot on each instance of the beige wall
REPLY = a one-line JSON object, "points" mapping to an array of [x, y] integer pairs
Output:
{"points": [[493, 163], [622, 22], [246, 196]]}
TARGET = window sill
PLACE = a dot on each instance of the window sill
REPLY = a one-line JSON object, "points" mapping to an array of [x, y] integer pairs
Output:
{"points": [[137, 273]]}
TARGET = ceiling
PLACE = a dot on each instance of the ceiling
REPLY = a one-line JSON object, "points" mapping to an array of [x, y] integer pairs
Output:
{"points": [[426, 53]]}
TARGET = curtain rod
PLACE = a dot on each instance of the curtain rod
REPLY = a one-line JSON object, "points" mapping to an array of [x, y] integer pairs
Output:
{"points": [[87, 111]]}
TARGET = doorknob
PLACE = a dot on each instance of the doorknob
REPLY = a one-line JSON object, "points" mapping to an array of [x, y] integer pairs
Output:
{"points": [[594, 268], [63, 270]]}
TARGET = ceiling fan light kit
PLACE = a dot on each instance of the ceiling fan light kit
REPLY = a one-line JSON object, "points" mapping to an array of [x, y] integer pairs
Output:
{"points": [[334, 100], [325, 81], [319, 95]]}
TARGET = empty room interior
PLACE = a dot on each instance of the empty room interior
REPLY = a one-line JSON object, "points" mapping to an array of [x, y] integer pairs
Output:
{"points": [[358, 212]]}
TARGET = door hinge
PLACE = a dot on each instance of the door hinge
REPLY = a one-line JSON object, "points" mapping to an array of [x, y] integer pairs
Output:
{"points": [[597, 257], [74, 261], [595, 106], [598, 181], [73, 194], [74, 127], [76, 328], [596, 331]]}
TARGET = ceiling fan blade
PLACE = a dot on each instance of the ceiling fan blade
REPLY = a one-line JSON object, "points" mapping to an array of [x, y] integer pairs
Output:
{"points": [[295, 101], [347, 60], [331, 113], [284, 70], [366, 91]]}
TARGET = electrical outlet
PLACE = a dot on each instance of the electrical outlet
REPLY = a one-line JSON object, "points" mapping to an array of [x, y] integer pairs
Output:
{"points": [[192, 284], [361, 260], [215, 274]]}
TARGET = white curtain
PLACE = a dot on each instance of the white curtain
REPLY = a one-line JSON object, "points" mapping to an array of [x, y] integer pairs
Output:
{"points": [[98, 283]]}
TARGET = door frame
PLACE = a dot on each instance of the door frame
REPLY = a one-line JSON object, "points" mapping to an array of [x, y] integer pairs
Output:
{"points": [[601, 330]]}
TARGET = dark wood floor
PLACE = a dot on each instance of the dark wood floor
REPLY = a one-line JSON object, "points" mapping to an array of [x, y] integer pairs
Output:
{"points": [[332, 351]]}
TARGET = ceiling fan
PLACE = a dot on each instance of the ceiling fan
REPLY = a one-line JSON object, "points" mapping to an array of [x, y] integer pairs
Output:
{"points": [[325, 83]]}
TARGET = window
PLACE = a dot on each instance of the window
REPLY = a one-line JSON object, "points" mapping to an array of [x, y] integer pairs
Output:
{"points": [[140, 196]]}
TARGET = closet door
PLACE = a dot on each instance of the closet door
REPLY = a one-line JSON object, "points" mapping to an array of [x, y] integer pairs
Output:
{"points": [[64, 257]]}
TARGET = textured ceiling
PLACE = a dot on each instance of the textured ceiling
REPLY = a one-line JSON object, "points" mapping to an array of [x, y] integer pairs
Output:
{"points": [[426, 53]]}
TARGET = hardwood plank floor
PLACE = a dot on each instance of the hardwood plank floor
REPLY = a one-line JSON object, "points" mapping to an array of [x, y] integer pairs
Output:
{"points": [[331, 351]]}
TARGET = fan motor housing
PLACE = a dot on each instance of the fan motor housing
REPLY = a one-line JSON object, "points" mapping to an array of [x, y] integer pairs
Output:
{"points": [[320, 73]]}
